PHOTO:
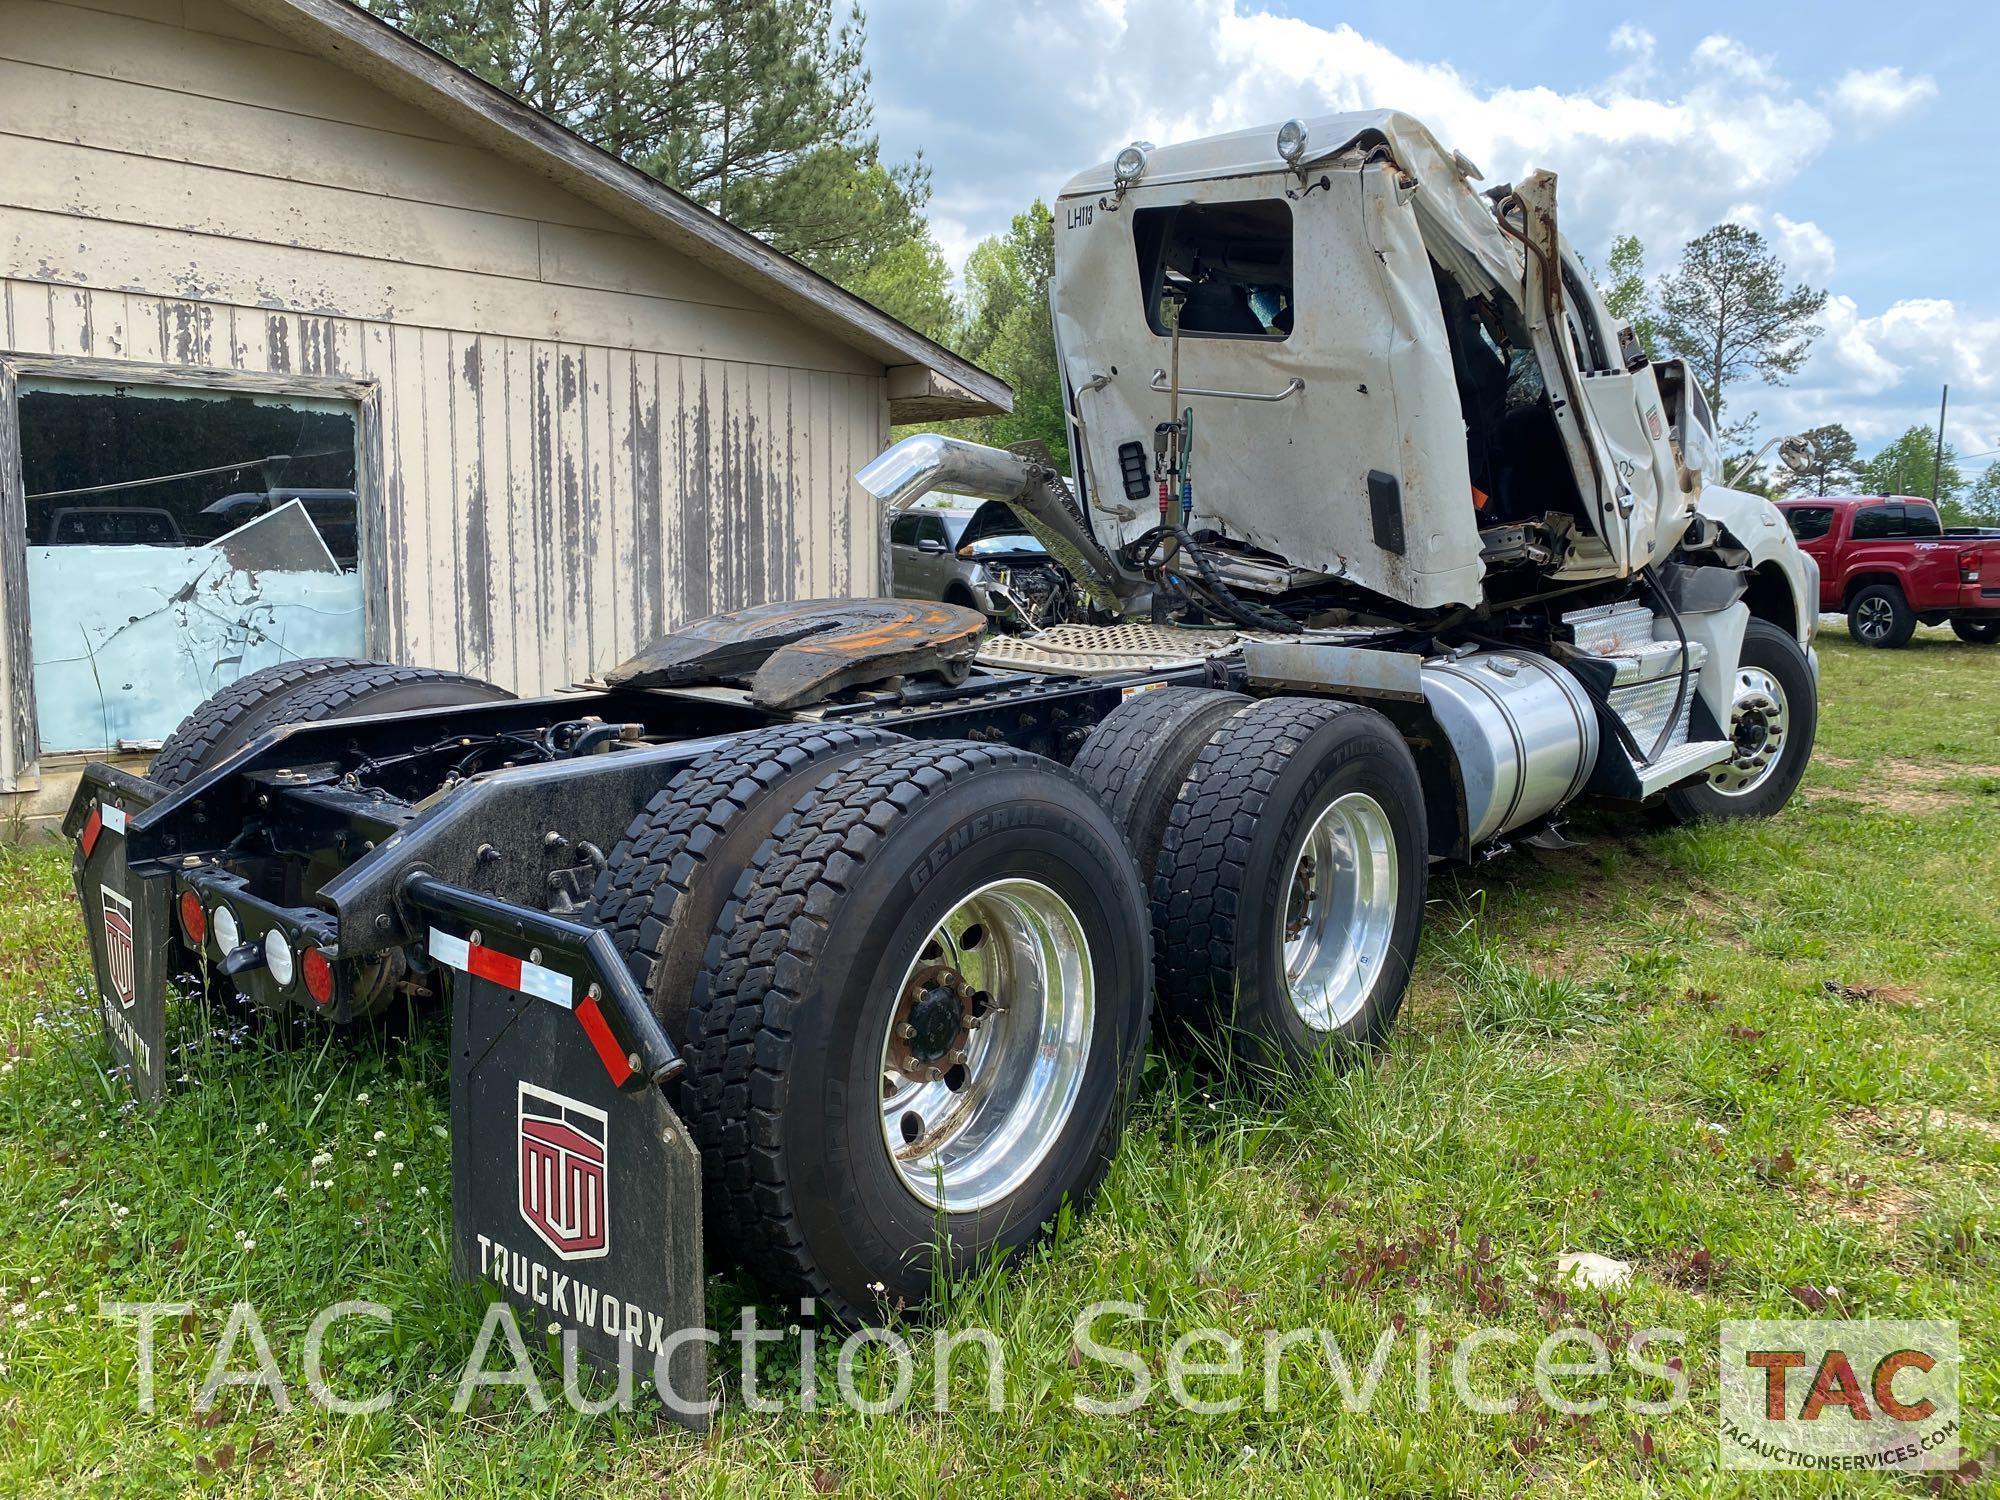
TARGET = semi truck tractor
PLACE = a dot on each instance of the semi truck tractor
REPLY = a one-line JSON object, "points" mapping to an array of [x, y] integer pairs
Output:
{"points": [[835, 931]]}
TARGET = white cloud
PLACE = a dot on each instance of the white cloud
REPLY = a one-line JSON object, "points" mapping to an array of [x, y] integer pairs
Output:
{"points": [[1636, 40], [1880, 373], [1659, 146], [1633, 153], [1724, 54], [1805, 249], [1878, 95]]}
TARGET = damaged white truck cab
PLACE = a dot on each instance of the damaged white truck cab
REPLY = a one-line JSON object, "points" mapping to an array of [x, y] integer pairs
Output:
{"points": [[1321, 385], [1399, 384]]}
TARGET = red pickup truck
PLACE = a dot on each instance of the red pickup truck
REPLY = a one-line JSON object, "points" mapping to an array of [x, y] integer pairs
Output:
{"points": [[1886, 562]]}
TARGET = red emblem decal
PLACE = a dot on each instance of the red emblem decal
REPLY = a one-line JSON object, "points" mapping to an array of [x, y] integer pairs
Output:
{"points": [[118, 944], [1653, 421], [564, 1192]]}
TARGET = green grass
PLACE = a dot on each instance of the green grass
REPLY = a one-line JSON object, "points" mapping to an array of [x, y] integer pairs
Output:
{"points": [[1629, 1048]]}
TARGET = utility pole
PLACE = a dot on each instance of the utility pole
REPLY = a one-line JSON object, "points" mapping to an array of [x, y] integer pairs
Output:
{"points": [[1937, 457]]}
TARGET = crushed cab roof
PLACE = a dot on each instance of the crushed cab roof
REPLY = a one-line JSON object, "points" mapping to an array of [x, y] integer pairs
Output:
{"points": [[1451, 209]]}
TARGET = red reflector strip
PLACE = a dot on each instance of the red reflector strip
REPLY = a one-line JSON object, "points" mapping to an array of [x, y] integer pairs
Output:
{"points": [[502, 969], [486, 963], [608, 1051], [92, 827]]}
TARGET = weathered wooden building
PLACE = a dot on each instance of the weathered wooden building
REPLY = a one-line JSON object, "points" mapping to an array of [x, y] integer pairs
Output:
{"points": [[313, 343]]}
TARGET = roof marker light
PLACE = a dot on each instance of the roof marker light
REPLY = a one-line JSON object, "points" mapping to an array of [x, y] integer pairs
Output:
{"points": [[1130, 163], [1292, 138]]}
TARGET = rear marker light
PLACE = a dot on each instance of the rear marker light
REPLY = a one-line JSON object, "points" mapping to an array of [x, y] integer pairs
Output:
{"points": [[227, 933], [194, 921], [278, 959], [319, 976]]}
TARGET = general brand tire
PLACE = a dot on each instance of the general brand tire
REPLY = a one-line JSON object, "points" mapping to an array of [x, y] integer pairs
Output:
{"points": [[1976, 632], [794, 1079], [670, 874], [1774, 665], [206, 737], [1251, 940], [1880, 616], [1141, 752]]}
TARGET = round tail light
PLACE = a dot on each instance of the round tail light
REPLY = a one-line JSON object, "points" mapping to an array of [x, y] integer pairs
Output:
{"points": [[319, 976], [279, 959], [194, 921], [227, 933]]}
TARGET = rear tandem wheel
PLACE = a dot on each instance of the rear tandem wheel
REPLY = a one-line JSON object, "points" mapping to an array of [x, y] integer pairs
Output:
{"points": [[919, 1024]]}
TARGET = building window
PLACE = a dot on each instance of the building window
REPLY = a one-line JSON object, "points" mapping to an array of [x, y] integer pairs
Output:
{"points": [[1229, 263], [176, 539]]}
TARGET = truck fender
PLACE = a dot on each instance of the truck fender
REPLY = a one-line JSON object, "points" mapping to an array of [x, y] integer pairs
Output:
{"points": [[1758, 527], [1721, 631]]}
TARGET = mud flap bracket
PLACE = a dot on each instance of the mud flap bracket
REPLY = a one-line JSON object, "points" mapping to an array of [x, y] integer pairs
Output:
{"points": [[576, 1190]]}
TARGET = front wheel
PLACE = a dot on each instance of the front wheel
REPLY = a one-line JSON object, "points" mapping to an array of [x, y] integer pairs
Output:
{"points": [[919, 1024], [1977, 632], [1772, 720]]}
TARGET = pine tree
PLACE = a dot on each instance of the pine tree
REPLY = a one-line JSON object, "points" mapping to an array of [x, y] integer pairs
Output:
{"points": [[1725, 310], [756, 109], [1832, 464]]}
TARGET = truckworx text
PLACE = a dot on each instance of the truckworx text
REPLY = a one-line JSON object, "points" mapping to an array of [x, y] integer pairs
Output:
{"points": [[835, 930]]}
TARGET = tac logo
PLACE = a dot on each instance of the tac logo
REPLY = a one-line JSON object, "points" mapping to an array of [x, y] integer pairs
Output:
{"points": [[118, 944], [565, 1196], [1843, 1396]]}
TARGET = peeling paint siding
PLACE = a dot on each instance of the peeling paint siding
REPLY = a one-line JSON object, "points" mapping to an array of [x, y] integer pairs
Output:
{"points": [[586, 440], [546, 508]]}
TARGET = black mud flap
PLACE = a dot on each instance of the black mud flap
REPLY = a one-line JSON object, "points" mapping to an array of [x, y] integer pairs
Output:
{"points": [[575, 1188], [128, 913]]}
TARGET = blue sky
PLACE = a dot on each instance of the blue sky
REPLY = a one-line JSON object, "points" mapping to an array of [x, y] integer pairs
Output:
{"points": [[1863, 140]]}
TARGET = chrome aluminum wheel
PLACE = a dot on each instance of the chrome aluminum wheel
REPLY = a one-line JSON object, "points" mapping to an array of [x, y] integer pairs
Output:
{"points": [[1340, 913], [987, 1046], [1875, 617], [1759, 720]]}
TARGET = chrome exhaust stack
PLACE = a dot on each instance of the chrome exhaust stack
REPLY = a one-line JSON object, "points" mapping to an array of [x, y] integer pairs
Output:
{"points": [[1025, 480]]}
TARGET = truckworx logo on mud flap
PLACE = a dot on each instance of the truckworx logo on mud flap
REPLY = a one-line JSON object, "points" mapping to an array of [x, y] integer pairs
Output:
{"points": [[118, 944], [574, 1300], [565, 1192]]}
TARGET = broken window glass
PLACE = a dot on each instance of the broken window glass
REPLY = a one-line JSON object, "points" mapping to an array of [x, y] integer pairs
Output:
{"points": [[178, 539], [1229, 265]]}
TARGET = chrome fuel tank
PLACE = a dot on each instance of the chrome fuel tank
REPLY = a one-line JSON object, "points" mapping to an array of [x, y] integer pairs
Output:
{"points": [[1525, 735]]}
